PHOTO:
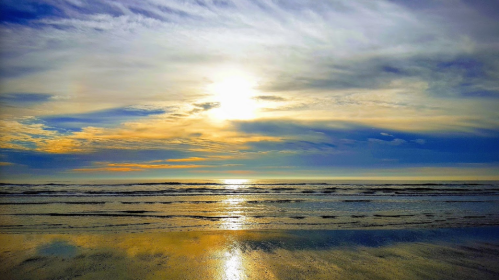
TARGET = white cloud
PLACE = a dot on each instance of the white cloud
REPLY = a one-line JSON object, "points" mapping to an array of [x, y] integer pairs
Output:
{"points": [[325, 57], [419, 141], [394, 142]]}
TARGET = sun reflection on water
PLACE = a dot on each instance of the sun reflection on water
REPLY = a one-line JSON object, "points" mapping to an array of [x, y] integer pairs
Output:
{"points": [[234, 206], [235, 183], [235, 212], [234, 201]]}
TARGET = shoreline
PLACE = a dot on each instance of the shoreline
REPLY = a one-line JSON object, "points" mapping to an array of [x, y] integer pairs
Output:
{"points": [[471, 253]]}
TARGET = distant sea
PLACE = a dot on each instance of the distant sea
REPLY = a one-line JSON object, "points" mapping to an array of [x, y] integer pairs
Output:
{"points": [[246, 205]]}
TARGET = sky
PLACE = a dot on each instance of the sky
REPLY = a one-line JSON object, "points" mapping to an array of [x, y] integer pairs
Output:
{"points": [[155, 89]]}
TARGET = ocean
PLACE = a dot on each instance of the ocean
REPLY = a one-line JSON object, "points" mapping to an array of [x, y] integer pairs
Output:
{"points": [[250, 229], [246, 205]]}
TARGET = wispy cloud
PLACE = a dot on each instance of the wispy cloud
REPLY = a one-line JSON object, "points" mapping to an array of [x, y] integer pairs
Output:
{"points": [[102, 118], [338, 57], [107, 169], [155, 166], [395, 142], [24, 98], [269, 98], [83, 77], [419, 141], [189, 134], [142, 166], [186, 159]]}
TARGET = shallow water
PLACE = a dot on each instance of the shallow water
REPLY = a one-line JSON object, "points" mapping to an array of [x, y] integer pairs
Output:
{"points": [[246, 205]]}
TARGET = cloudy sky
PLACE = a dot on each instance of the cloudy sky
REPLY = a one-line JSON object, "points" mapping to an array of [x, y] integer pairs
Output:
{"points": [[249, 89]]}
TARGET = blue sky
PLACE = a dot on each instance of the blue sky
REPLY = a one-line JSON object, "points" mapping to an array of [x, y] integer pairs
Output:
{"points": [[249, 89]]}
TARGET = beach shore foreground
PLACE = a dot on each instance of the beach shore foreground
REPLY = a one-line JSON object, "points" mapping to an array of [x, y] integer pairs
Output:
{"points": [[471, 253]]}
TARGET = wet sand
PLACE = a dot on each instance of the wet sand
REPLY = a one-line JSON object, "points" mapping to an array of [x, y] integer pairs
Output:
{"points": [[308, 254]]}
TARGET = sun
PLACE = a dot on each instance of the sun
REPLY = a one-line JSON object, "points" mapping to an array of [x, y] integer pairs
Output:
{"points": [[236, 98]]}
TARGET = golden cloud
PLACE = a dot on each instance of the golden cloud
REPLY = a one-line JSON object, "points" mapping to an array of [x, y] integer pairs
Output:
{"points": [[107, 169], [156, 166], [189, 134], [127, 167], [186, 159]]}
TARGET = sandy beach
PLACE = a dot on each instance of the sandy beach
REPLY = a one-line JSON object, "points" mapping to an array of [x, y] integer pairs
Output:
{"points": [[363, 254], [260, 230], [249, 139]]}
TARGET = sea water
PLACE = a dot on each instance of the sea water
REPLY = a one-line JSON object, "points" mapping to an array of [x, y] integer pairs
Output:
{"points": [[246, 205]]}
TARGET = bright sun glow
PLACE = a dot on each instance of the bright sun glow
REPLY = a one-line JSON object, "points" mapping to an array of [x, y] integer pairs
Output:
{"points": [[235, 181], [235, 95], [233, 265]]}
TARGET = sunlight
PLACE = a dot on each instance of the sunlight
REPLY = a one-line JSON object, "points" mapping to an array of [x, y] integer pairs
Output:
{"points": [[235, 181], [234, 209], [235, 95], [233, 265], [234, 201]]}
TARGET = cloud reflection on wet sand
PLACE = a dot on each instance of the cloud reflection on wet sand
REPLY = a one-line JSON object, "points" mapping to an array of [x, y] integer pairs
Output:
{"points": [[236, 255]]}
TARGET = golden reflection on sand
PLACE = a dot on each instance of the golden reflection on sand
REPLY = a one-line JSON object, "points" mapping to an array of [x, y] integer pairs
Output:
{"points": [[233, 267], [232, 255]]}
